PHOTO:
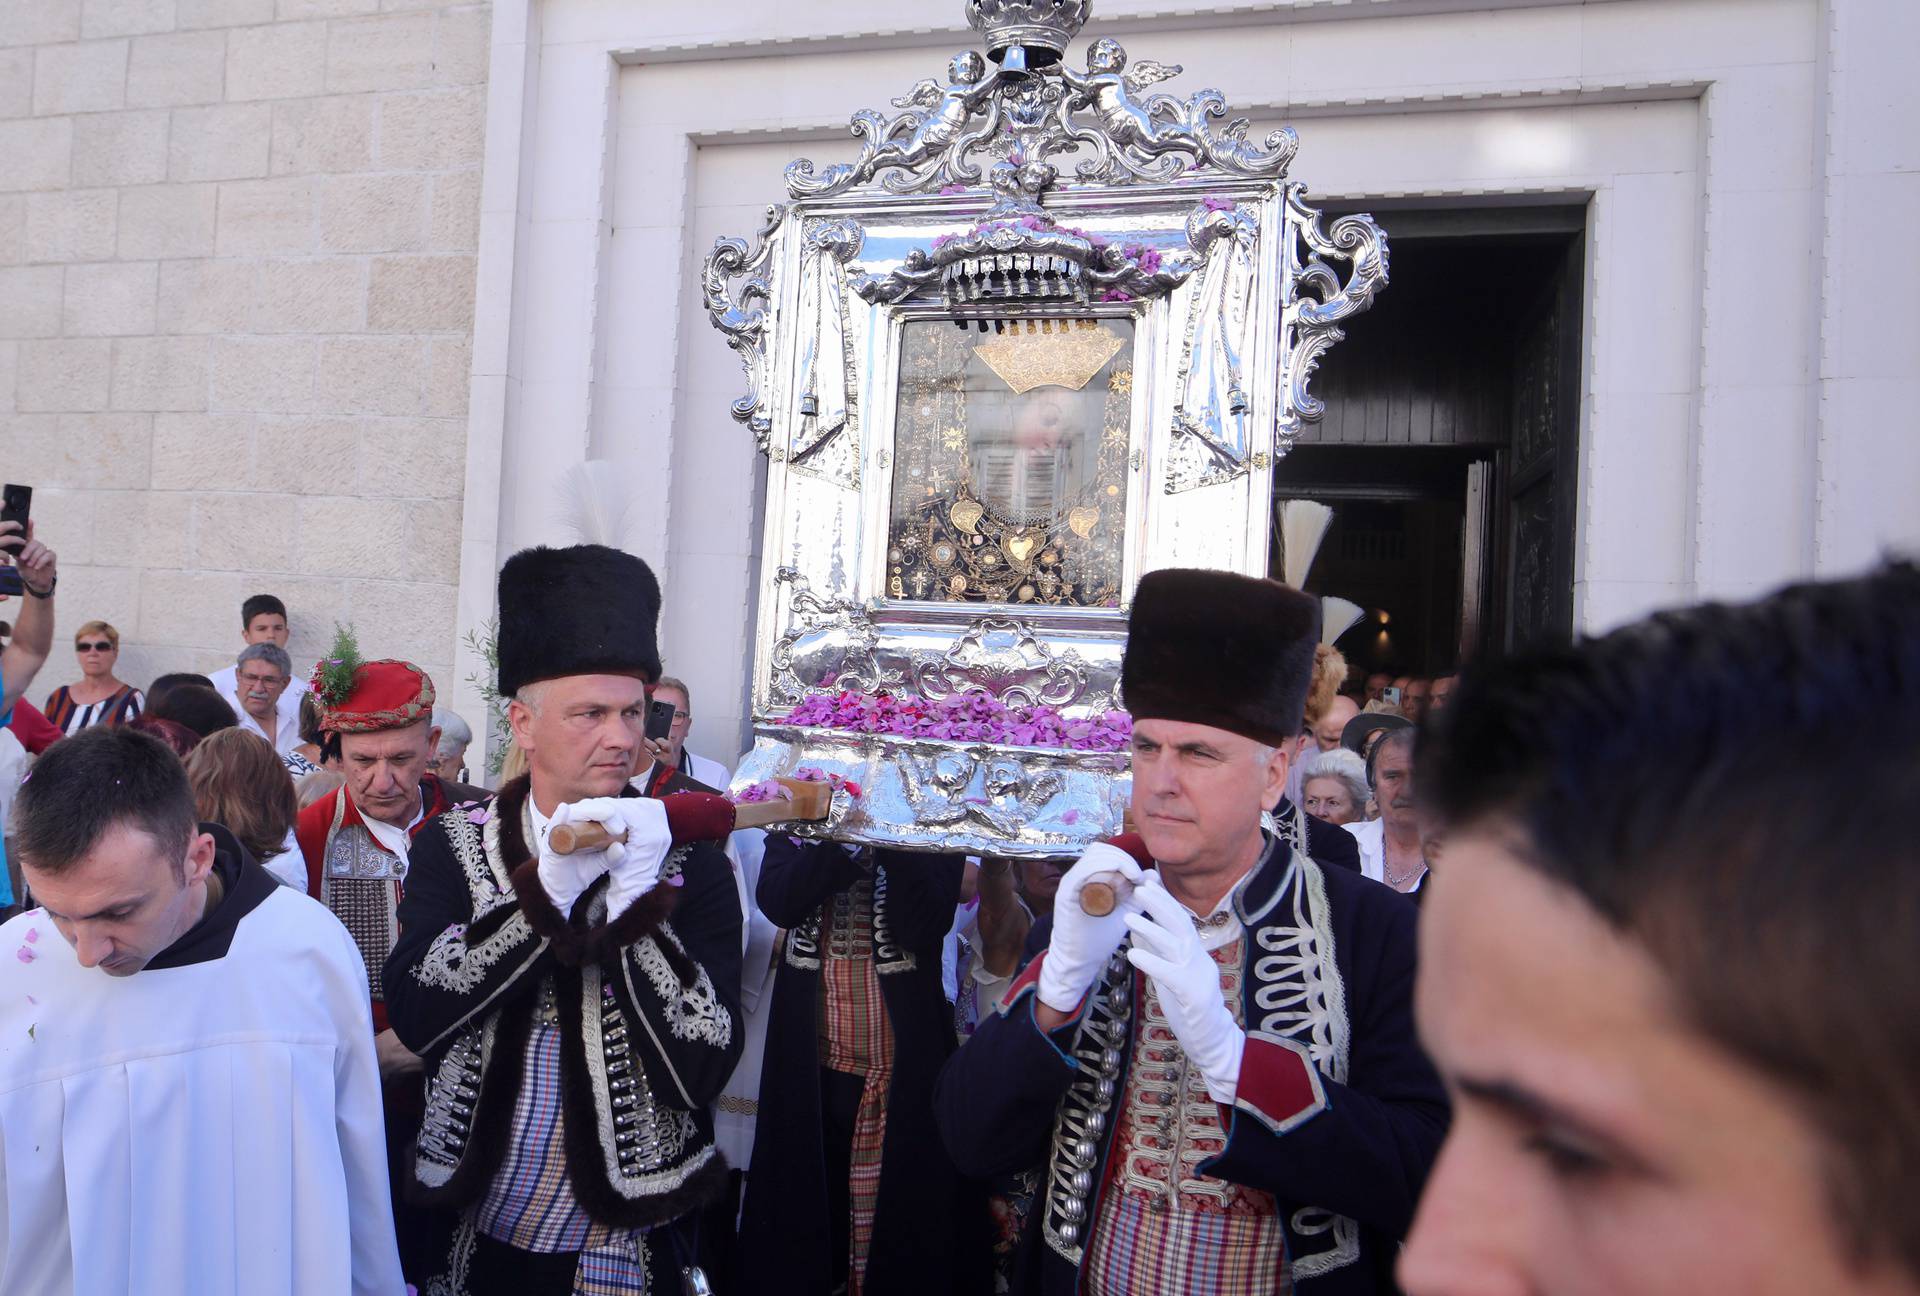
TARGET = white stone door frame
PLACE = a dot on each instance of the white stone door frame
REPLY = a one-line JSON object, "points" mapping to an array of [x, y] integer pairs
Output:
{"points": [[1704, 458]]}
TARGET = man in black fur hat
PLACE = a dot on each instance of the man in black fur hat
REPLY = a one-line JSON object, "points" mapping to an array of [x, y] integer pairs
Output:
{"points": [[577, 1013], [1217, 1084]]}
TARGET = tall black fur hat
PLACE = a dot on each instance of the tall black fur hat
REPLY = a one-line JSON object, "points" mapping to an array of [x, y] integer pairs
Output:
{"points": [[585, 610], [1214, 648]]}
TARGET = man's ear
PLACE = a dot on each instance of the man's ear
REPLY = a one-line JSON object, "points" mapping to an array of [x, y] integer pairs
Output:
{"points": [[433, 741], [1278, 766], [520, 721], [199, 857]]}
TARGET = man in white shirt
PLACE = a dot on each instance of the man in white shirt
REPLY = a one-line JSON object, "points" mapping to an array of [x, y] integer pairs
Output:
{"points": [[263, 619], [711, 773], [262, 679], [188, 1095]]}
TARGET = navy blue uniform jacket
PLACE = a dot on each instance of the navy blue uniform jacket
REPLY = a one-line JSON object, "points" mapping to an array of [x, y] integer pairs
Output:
{"points": [[1338, 1113]]}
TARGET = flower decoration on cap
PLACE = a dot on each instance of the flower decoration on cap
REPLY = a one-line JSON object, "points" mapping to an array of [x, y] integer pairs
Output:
{"points": [[333, 674], [385, 694]]}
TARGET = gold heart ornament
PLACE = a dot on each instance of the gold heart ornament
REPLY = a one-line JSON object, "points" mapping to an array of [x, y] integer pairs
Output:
{"points": [[1020, 547], [1081, 521], [966, 514]]}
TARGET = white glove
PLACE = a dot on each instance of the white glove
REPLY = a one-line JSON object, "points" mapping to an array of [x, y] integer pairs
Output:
{"points": [[1082, 943], [1167, 948], [634, 863], [565, 877]]}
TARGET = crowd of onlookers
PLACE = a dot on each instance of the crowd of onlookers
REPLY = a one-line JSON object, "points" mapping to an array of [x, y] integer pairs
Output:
{"points": [[1353, 767], [249, 733]]}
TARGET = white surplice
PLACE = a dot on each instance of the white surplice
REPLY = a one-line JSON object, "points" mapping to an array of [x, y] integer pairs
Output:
{"points": [[211, 1129]]}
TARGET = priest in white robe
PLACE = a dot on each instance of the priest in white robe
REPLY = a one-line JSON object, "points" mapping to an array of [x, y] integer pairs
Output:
{"points": [[189, 1102]]}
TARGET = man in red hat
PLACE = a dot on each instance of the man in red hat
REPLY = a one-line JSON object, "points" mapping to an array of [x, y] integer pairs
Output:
{"points": [[376, 719]]}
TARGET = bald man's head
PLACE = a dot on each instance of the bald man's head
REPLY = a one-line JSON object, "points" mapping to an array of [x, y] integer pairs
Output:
{"points": [[1326, 734]]}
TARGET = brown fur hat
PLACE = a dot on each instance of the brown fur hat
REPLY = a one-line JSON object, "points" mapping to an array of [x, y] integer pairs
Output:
{"points": [[1214, 648]]}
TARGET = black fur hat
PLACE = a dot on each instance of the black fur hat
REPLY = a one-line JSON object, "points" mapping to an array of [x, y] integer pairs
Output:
{"points": [[1214, 648], [586, 610]]}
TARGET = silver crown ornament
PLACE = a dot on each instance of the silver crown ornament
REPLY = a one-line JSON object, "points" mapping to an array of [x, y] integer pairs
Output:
{"points": [[1025, 35]]}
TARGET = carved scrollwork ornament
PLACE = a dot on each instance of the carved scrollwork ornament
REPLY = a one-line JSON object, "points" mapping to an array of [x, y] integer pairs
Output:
{"points": [[1004, 656], [828, 643], [1040, 109], [742, 317], [1317, 302]]}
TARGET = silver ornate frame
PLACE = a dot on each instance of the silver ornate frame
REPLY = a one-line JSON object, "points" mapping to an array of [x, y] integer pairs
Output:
{"points": [[960, 206]]}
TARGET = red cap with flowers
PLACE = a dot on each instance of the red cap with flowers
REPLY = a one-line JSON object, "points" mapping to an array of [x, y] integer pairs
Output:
{"points": [[358, 696]]}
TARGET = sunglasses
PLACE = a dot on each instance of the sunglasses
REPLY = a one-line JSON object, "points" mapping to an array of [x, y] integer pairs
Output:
{"points": [[102, 646]]}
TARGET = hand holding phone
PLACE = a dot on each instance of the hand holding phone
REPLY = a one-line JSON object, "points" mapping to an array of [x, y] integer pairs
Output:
{"points": [[16, 505], [659, 719]]}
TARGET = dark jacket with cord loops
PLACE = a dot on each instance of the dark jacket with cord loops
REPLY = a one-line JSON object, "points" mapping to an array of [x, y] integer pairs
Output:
{"points": [[1338, 1112], [647, 1006]]}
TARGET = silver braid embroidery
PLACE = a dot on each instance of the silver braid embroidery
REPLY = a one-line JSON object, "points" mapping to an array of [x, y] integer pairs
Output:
{"points": [[1302, 997], [694, 1012], [1080, 1121], [451, 964]]}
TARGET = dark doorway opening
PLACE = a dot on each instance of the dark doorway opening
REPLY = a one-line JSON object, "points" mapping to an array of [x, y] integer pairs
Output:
{"points": [[1447, 449]]}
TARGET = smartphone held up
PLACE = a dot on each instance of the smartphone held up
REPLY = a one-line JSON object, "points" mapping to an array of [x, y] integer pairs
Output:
{"points": [[16, 504]]}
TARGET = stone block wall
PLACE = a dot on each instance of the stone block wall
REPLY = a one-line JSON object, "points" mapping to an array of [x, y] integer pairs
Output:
{"points": [[237, 244]]}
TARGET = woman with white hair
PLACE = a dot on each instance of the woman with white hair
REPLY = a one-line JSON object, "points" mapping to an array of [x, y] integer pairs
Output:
{"points": [[1333, 786], [451, 754]]}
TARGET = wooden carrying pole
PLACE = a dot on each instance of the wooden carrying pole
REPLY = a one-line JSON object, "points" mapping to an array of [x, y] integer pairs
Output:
{"points": [[1103, 893], [810, 800]]}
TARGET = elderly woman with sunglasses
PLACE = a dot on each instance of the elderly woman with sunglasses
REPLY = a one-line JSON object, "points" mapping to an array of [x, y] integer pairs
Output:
{"points": [[98, 697]]}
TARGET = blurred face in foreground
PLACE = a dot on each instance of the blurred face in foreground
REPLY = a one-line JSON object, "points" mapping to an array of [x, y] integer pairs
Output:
{"points": [[1600, 1145], [1039, 879]]}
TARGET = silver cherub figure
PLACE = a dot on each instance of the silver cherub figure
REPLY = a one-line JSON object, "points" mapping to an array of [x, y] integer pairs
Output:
{"points": [[934, 121], [1111, 89], [942, 113]]}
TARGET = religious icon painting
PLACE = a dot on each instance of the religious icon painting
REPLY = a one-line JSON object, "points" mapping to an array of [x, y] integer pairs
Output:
{"points": [[1006, 441]]}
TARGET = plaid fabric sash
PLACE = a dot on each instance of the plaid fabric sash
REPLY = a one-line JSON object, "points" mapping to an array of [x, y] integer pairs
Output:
{"points": [[856, 1038]]}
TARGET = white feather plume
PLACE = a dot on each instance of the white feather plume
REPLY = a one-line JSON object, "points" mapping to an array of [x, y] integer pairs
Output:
{"points": [[600, 503], [1337, 616], [1303, 525]]}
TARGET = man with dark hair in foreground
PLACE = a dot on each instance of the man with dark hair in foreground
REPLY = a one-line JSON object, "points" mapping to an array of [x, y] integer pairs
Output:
{"points": [[188, 1096], [1672, 994]]}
